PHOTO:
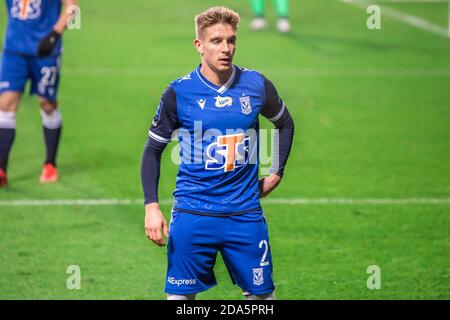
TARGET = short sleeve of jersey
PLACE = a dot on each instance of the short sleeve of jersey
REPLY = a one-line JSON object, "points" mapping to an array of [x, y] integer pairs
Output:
{"points": [[165, 121], [274, 106]]}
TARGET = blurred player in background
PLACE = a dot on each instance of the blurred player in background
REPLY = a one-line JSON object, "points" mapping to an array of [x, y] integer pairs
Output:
{"points": [[31, 51], [216, 207], [282, 11]]}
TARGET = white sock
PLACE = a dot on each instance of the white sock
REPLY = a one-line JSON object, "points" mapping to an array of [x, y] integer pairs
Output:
{"points": [[7, 120], [51, 120]]}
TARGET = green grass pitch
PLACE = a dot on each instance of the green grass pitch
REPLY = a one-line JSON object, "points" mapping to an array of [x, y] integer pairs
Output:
{"points": [[372, 113]]}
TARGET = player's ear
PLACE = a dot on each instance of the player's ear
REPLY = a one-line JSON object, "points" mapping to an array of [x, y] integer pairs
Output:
{"points": [[198, 45]]}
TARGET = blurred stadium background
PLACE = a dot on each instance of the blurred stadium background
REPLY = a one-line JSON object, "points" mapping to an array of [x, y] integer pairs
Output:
{"points": [[368, 182]]}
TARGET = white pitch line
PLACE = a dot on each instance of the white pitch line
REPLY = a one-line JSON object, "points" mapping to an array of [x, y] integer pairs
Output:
{"points": [[68, 202], [404, 17], [282, 201], [366, 201]]}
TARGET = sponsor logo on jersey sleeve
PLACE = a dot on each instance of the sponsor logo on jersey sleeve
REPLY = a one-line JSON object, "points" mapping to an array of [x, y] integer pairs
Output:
{"points": [[157, 114]]}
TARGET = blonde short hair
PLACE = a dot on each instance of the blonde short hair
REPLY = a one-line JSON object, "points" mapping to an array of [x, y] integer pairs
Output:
{"points": [[214, 16]]}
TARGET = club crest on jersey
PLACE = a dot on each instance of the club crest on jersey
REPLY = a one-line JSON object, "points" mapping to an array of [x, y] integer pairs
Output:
{"points": [[258, 276], [228, 152], [222, 102], [246, 107]]}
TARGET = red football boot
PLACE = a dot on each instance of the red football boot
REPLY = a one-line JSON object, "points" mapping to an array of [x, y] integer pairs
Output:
{"points": [[49, 173], [3, 178]]}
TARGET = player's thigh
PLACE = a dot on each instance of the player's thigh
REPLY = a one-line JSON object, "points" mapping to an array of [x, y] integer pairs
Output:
{"points": [[45, 76], [247, 254], [9, 101], [14, 73], [192, 251]]}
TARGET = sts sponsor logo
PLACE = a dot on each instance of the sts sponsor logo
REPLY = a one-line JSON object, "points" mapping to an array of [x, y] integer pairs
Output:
{"points": [[228, 152], [26, 9]]}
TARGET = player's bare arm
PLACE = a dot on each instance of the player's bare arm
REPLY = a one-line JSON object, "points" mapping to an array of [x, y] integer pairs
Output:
{"points": [[65, 16]]}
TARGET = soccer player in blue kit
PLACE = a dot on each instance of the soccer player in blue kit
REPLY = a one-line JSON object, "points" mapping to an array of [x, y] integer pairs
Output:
{"points": [[31, 50], [216, 208]]}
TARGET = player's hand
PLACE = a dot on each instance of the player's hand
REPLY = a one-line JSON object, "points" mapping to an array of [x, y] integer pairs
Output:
{"points": [[268, 184], [155, 224], [47, 44]]}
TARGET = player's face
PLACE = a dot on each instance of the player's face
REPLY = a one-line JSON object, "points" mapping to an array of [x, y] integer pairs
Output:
{"points": [[217, 47]]}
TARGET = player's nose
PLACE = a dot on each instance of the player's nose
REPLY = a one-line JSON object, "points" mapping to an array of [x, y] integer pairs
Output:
{"points": [[225, 48]]}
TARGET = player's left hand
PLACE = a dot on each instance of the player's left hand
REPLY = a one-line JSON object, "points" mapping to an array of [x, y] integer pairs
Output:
{"points": [[268, 184], [47, 44]]}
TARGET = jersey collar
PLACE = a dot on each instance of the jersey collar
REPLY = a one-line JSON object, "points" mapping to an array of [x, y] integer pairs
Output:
{"points": [[211, 85]]}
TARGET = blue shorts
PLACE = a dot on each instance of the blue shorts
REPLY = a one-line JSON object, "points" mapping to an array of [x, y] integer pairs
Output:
{"points": [[194, 241], [16, 69]]}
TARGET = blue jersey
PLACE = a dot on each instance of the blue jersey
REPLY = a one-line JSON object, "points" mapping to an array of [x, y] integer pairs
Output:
{"points": [[218, 135], [29, 21]]}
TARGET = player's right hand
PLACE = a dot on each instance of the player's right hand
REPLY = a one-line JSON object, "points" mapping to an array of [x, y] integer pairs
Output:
{"points": [[155, 224]]}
